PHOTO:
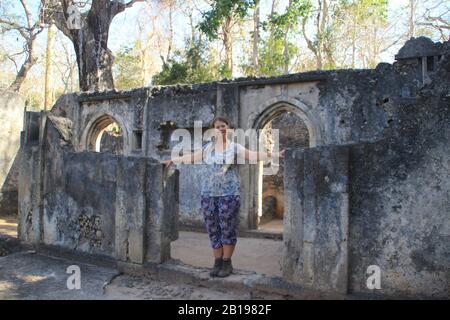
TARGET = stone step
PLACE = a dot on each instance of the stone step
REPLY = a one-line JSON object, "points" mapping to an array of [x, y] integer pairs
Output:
{"points": [[258, 286]]}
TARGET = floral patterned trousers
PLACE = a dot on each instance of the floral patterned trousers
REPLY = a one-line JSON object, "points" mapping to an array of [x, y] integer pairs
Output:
{"points": [[221, 216]]}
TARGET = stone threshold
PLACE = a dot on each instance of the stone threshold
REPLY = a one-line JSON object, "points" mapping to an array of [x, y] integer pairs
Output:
{"points": [[257, 286]]}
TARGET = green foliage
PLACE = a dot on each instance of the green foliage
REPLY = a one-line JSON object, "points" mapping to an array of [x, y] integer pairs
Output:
{"points": [[221, 10], [361, 10], [278, 23], [127, 69], [172, 72], [193, 66], [271, 59]]}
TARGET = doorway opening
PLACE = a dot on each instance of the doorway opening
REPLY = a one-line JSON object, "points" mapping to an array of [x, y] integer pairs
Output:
{"points": [[292, 133]]}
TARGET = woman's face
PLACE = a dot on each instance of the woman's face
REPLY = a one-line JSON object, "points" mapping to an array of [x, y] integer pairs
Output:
{"points": [[221, 126]]}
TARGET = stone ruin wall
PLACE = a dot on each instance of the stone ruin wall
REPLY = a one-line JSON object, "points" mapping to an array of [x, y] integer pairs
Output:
{"points": [[372, 189]]}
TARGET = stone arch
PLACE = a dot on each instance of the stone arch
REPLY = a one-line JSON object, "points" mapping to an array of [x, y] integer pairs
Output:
{"points": [[96, 126], [276, 106], [263, 114]]}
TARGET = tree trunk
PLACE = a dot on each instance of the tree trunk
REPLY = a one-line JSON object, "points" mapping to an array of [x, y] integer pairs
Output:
{"points": [[411, 20], [90, 41], [354, 43], [29, 62], [169, 49], [228, 44], [255, 40], [48, 95], [192, 24], [271, 33], [286, 45], [319, 36]]}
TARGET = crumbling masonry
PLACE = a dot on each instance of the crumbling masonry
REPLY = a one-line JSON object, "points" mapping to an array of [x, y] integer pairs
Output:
{"points": [[372, 188]]}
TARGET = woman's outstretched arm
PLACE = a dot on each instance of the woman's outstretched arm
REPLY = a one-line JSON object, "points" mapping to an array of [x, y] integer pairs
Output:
{"points": [[190, 158]]}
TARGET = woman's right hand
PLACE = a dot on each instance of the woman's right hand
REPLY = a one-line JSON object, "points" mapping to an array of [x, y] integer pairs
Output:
{"points": [[167, 163]]}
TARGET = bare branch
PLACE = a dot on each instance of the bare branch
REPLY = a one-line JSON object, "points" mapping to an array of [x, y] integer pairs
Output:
{"points": [[27, 14], [118, 6]]}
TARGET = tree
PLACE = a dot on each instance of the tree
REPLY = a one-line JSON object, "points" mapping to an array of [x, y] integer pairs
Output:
{"points": [[48, 95], [322, 45], [219, 21], [437, 17], [282, 24], [255, 39], [29, 31], [412, 8], [193, 66], [127, 68], [88, 31], [359, 27]]}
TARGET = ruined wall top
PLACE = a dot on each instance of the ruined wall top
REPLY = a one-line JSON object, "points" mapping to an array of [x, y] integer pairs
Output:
{"points": [[413, 48], [422, 47]]}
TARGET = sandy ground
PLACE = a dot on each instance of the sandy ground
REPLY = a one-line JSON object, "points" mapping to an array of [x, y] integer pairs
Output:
{"points": [[274, 226], [8, 227], [28, 275], [259, 255], [34, 276]]}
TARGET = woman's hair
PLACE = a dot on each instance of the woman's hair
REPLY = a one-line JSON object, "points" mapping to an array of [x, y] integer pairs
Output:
{"points": [[221, 119]]}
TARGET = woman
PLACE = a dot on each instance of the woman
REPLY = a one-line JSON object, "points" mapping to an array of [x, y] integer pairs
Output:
{"points": [[220, 192]]}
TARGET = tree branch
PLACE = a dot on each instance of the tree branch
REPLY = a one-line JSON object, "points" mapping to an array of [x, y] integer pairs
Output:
{"points": [[118, 6], [27, 13]]}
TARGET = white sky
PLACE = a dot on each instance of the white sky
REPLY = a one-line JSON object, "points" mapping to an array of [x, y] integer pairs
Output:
{"points": [[124, 27]]}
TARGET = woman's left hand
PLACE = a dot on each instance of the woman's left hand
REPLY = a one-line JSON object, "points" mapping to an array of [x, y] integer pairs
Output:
{"points": [[281, 154]]}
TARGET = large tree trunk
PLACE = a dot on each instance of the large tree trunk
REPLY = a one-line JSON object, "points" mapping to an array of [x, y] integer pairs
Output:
{"points": [[94, 59], [91, 48], [90, 41]]}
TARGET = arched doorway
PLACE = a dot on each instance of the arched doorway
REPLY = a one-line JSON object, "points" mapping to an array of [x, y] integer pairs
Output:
{"points": [[292, 133], [106, 135], [297, 128]]}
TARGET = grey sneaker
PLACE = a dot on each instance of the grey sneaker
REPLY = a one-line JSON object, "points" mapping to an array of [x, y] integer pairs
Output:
{"points": [[216, 268], [226, 270]]}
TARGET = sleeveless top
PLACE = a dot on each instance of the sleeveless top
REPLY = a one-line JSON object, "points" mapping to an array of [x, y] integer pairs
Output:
{"points": [[220, 176]]}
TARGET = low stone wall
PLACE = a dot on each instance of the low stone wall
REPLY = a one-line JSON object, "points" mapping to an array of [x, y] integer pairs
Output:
{"points": [[117, 206], [11, 116]]}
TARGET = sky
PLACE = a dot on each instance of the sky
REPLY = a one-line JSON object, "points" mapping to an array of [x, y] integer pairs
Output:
{"points": [[124, 26], [125, 19]]}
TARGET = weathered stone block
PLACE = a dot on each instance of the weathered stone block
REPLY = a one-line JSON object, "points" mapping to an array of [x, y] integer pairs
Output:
{"points": [[11, 116], [316, 221]]}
